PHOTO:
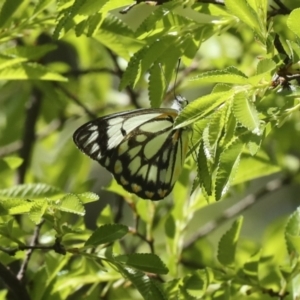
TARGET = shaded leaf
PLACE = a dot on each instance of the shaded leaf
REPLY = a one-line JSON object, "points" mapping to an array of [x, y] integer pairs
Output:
{"points": [[227, 167], [246, 113], [146, 262], [148, 288], [107, 234], [228, 242], [71, 203], [201, 107], [292, 232]]}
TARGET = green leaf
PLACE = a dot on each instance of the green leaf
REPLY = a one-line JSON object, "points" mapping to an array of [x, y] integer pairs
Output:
{"points": [[67, 17], [293, 21], [116, 36], [148, 288], [94, 22], [265, 65], [246, 113], [7, 10], [246, 14], [41, 5], [13, 162], [252, 167], [71, 203], [153, 24], [201, 107], [90, 7], [227, 167], [221, 76], [146, 262], [264, 72], [294, 49], [296, 285], [107, 234], [157, 86], [196, 284], [133, 70], [30, 190], [7, 61], [214, 131], [87, 197], [228, 242], [37, 210], [29, 71], [30, 52], [251, 267], [7, 230], [14, 206], [155, 50], [292, 232], [203, 170]]}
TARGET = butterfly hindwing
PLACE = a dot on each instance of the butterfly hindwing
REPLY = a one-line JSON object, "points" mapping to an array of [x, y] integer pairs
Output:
{"points": [[140, 148]]}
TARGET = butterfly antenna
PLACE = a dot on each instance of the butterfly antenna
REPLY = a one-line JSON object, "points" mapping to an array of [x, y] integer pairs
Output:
{"points": [[176, 75]]}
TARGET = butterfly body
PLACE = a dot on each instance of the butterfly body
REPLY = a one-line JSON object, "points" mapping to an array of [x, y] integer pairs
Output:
{"points": [[140, 148]]}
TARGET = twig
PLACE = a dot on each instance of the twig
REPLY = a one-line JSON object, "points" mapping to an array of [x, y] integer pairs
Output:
{"points": [[237, 208], [75, 99], [283, 8], [14, 285], [57, 247], [29, 252], [78, 72], [150, 243]]}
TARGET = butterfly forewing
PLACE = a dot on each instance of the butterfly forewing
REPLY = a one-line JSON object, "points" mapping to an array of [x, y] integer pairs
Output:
{"points": [[140, 148]]}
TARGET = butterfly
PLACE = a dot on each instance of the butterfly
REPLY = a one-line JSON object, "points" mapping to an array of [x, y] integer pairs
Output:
{"points": [[140, 148]]}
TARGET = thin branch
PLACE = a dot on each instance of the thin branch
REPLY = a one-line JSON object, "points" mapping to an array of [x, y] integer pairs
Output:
{"points": [[283, 8], [150, 243], [28, 139], [33, 243], [57, 247], [79, 72], [14, 285], [75, 99], [237, 208]]}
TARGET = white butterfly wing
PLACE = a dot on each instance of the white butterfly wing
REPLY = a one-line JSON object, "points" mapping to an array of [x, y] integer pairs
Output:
{"points": [[140, 148]]}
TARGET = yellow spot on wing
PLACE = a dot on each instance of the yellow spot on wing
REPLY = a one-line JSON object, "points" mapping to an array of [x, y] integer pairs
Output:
{"points": [[123, 181], [118, 167], [162, 193], [136, 188], [149, 194]]}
